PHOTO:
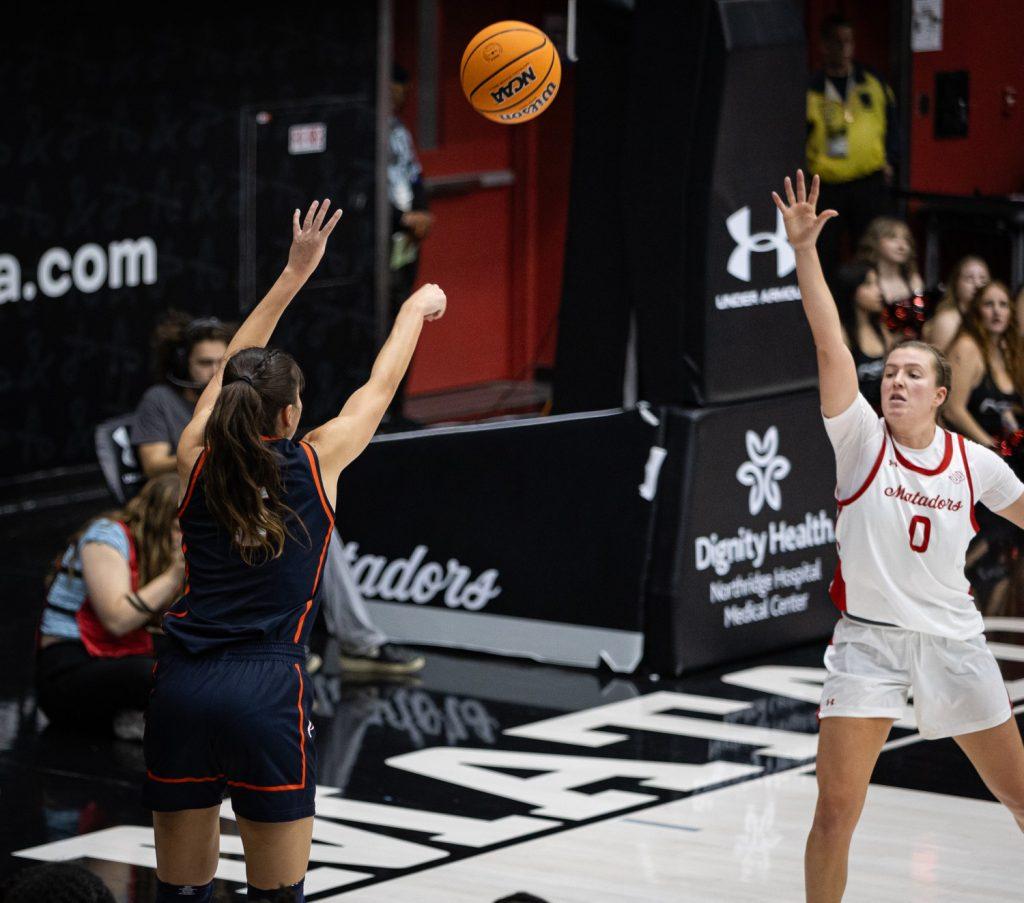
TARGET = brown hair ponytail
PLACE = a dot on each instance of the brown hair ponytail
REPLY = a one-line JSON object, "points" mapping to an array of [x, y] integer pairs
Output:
{"points": [[242, 472]]}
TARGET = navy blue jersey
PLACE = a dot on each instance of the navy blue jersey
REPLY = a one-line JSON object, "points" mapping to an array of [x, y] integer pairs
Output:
{"points": [[227, 601]]}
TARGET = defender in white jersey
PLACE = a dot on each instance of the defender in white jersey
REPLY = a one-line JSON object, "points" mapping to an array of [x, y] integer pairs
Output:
{"points": [[906, 491]]}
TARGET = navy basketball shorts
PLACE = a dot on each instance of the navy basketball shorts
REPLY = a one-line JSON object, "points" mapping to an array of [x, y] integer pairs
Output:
{"points": [[235, 722]]}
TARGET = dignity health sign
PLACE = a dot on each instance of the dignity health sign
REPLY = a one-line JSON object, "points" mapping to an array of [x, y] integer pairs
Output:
{"points": [[754, 545]]}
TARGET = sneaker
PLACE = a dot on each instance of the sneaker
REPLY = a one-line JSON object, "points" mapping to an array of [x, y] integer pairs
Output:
{"points": [[384, 660]]}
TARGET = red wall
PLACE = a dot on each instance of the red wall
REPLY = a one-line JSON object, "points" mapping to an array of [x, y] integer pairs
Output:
{"points": [[497, 252], [983, 37]]}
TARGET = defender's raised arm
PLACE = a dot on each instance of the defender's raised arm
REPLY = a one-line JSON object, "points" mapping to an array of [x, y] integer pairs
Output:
{"points": [[837, 373]]}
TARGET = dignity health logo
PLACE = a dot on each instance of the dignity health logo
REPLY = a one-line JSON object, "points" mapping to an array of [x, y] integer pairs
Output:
{"points": [[738, 225], [763, 471]]}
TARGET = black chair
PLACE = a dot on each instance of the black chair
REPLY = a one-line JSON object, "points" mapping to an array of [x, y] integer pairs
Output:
{"points": [[117, 458]]}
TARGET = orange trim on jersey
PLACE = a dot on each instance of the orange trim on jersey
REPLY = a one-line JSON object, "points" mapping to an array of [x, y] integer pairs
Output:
{"points": [[947, 456], [871, 476], [302, 620], [314, 467], [970, 485], [302, 750], [175, 614], [196, 470]]}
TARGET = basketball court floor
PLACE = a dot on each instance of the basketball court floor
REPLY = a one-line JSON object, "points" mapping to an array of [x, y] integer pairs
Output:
{"points": [[485, 777]]}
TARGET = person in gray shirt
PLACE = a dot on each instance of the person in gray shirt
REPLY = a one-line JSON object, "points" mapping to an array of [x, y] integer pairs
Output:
{"points": [[187, 353]]}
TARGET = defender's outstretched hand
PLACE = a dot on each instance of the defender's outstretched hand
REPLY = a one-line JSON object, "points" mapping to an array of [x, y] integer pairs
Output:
{"points": [[309, 238], [803, 223]]}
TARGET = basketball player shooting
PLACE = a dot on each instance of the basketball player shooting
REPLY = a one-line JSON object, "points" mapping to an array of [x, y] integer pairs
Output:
{"points": [[230, 709], [906, 490]]}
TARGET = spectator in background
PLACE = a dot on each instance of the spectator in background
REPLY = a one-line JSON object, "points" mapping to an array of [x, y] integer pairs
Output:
{"points": [[95, 657], [410, 220], [55, 882], [186, 354], [859, 299], [986, 402], [969, 274], [888, 245], [851, 139], [1020, 309]]}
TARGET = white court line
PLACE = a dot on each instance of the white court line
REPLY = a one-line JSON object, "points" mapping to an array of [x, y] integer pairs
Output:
{"points": [[658, 824]]}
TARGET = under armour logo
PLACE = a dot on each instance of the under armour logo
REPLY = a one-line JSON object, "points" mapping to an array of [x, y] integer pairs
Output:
{"points": [[746, 244], [309, 729], [830, 701], [764, 470]]}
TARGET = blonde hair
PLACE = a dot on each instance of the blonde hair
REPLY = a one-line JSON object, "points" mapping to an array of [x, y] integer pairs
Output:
{"points": [[940, 364], [869, 247], [149, 517]]}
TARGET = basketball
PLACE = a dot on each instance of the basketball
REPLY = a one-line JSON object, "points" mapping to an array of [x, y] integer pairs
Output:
{"points": [[510, 72]]}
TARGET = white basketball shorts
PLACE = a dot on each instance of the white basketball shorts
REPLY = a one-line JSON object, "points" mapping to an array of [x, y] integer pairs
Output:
{"points": [[872, 671]]}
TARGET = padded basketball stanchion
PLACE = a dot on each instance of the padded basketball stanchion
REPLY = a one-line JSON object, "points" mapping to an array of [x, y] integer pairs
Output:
{"points": [[672, 217], [744, 539]]}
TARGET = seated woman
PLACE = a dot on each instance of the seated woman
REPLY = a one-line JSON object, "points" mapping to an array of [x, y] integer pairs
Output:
{"points": [[986, 404], [186, 353], [987, 356], [95, 657], [859, 298], [969, 274], [888, 245]]}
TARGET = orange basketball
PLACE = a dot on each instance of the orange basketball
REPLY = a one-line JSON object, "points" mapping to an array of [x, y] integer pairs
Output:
{"points": [[510, 72]]}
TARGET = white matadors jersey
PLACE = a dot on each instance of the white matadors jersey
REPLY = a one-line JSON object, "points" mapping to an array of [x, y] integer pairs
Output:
{"points": [[906, 517]]}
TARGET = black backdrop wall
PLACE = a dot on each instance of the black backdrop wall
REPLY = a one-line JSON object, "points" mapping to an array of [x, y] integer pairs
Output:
{"points": [[120, 156], [687, 115]]}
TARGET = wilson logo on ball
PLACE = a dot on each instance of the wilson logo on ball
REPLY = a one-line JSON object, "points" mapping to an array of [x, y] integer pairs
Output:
{"points": [[514, 85]]}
